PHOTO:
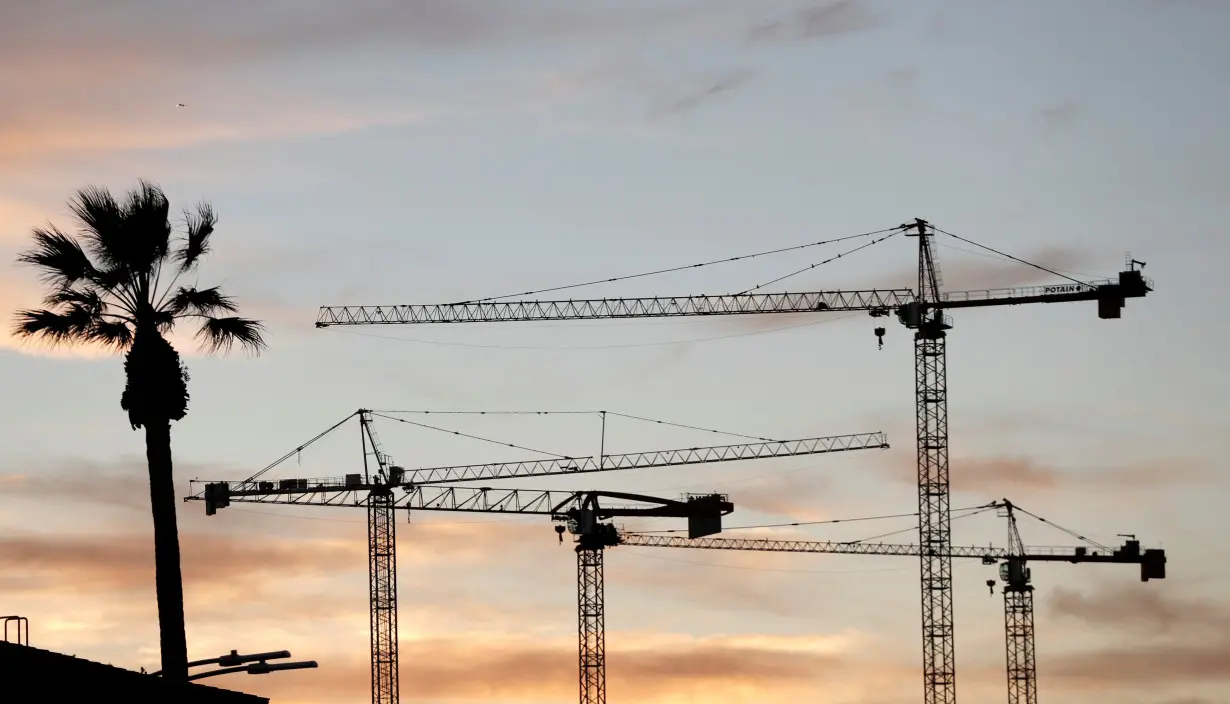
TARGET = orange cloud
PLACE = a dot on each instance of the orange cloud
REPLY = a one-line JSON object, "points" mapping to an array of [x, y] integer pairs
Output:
{"points": [[164, 129], [1175, 640], [1147, 608], [109, 563], [119, 72], [999, 475], [1135, 667], [658, 669]]}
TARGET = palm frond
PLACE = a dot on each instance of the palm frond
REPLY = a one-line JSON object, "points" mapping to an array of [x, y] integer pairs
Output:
{"points": [[133, 236], [162, 319], [102, 220], [60, 258], [219, 335], [111, 333], [70, 326], [196, 244], [115, 280], [200, 301], [149, 212], [87, 298]]}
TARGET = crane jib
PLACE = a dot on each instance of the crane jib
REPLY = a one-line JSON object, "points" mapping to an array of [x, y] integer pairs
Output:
{"points": [[878, 302]]}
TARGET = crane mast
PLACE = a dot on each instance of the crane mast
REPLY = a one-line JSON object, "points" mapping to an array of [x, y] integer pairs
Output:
{"points": [[385, 488], [1018, 617], [934, 518], [920, 310], [704, 513], [381, 568]]}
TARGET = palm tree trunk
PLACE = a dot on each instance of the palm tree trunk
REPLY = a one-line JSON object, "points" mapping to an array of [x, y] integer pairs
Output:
{"points": [[169, 582]]}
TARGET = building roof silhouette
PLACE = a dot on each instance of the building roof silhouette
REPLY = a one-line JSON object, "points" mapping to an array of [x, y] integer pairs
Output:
{"points": [[34, 675]]}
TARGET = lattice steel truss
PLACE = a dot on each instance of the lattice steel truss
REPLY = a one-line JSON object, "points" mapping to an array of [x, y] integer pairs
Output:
{"points": [[608, 308], [592, 633], [939, 659], [1019, 627], [382, 576], [931, 416]]}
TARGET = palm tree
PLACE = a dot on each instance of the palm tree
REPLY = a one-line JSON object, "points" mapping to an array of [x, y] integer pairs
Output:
{"points": [[118, 284]]}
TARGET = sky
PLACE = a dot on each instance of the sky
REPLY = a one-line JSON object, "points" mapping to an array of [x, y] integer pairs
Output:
{"points": [[429, 151]]}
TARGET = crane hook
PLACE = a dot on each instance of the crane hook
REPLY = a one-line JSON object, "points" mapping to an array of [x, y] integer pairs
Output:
{"points": [[559, 530], [991, 586], [880, 336]]}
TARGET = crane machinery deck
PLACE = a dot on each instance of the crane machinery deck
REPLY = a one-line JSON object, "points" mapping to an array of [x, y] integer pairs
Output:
{"points": [[921, 309], [378, 487]]}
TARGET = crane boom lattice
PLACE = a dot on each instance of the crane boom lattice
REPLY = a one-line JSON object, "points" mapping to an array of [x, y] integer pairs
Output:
{"points": [[659, 458]]}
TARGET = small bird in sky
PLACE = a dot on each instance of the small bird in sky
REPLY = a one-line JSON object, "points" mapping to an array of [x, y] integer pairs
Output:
{"points": [[180, 105]]}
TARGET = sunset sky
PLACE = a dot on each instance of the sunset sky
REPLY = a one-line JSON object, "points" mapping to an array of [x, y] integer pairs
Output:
{"points": [[428, 151]]}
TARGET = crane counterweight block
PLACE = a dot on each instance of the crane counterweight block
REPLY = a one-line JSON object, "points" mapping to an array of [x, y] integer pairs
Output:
{"points": [[217, 495], [1153, 564]]}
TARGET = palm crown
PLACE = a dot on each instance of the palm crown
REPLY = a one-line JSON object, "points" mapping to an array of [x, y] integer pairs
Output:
{"points": [[118, 284]]}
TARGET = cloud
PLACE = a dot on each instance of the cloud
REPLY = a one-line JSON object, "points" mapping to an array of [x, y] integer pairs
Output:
{"points": [[690, 95], [667, 93], [887, 102], [794, 495], [153, 122], [1059, 117], [1175, 640], [120, 69], [107, 563], [822, 21], [16, 219], [1141, 608], [995, 475], [986, 273], [236, 31], [499, 667], [747, 582], [1130, 667]]}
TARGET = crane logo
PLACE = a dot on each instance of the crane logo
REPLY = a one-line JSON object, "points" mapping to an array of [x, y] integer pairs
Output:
{"points": [[1067, 288]]}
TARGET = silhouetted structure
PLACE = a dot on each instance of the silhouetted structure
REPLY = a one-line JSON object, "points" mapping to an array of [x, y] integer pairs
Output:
{"points": [[704, 513], [421, 491], [920, 310], [42, 677]]}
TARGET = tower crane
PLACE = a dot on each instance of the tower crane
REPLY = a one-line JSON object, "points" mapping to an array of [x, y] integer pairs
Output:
{"points": [[921, 309], [704, 513], [1018, 590], [431, 489]]}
